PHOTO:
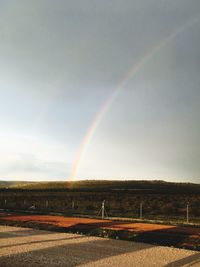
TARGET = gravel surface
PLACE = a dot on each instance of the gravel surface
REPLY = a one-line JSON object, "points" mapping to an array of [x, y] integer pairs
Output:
{"points": [[28, 247]]}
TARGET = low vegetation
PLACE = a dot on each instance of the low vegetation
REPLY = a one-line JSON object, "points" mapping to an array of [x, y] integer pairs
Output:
{"points": [[160, 200]]}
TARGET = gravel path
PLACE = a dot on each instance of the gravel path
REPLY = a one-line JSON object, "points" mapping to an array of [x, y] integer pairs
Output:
{"points": [[28, 247]]}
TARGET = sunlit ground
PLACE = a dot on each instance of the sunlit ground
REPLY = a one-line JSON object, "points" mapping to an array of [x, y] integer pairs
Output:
{"points": [[28, 247]]}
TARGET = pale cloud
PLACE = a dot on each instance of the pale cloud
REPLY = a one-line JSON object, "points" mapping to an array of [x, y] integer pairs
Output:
{"points": [[28, 167]]}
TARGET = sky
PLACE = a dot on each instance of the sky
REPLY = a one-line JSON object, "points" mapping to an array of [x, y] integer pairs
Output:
{"points": [[100, 90]]}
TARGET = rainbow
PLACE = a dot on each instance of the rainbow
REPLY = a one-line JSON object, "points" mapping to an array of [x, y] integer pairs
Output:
{"points": [[122, 83]]}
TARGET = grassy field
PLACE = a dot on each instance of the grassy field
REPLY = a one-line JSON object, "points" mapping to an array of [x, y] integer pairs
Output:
{"points": [[154, 186], [160, 200]]}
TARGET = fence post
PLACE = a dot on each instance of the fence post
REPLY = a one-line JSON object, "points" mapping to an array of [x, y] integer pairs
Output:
{"points": [[188, 212], [141, 210], [103, 209]]}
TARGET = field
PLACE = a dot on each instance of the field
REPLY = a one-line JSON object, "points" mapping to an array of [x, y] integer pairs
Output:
{"points": [[182, 237], [172, 208], [160, 200]]}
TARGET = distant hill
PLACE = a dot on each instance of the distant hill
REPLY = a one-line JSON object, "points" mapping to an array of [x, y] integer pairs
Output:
{"points": [[14, 184], [154, 186]]}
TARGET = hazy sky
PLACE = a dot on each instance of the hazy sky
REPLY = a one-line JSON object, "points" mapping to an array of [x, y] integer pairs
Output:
{"points": [[60, 61]]}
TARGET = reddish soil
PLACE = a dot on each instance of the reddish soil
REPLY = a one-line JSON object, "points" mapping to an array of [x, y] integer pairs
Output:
{"points": [[71, 222], [167, 235]]}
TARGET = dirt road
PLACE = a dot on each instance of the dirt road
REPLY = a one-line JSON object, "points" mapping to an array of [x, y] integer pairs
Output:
{"points": [[28, 247]]}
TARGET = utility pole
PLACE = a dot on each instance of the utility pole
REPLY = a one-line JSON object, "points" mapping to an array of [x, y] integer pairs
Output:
{"points": [[188, 212], [141, 210]]}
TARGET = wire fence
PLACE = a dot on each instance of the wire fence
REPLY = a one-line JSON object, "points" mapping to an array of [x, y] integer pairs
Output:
{"points": [[184, 212]]}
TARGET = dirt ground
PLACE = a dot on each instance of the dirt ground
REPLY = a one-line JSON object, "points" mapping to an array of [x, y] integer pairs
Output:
{"points": [[67, 222], [183, 237], [20, 247]]}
